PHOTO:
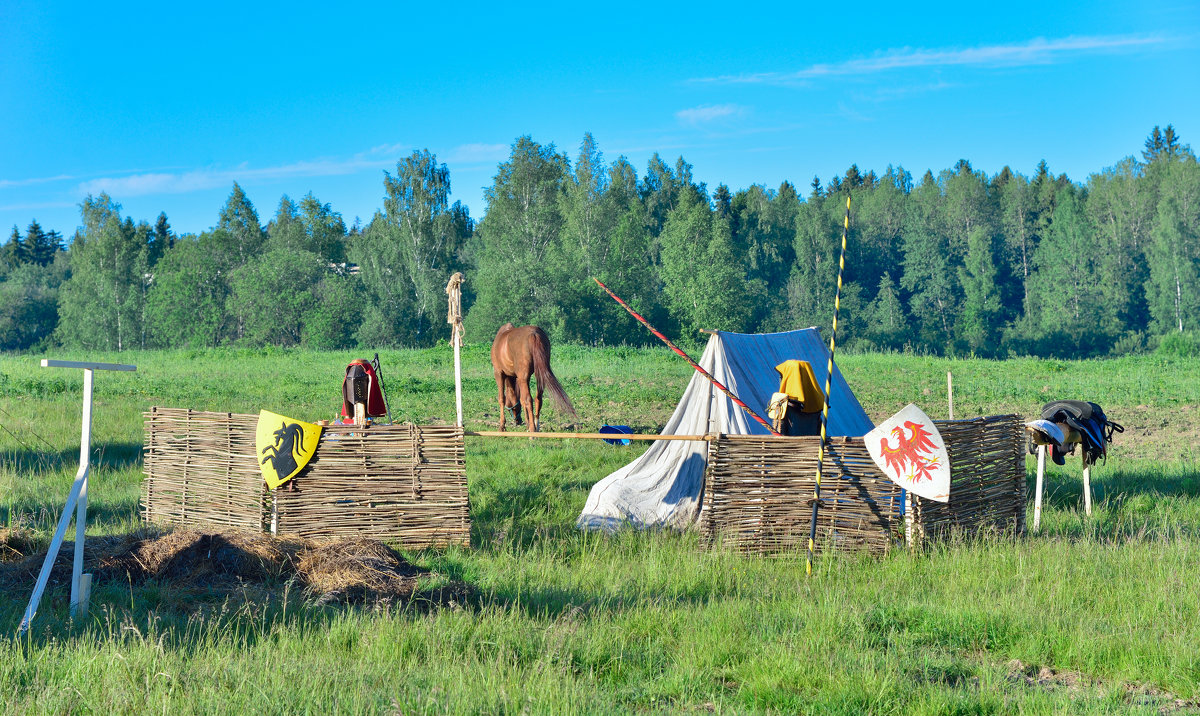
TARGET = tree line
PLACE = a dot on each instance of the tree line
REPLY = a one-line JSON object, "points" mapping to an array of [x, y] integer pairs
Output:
{"points": [[956, 263]]}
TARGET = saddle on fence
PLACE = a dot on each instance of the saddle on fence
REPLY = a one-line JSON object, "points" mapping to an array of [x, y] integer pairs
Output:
{"points": [[1086, 419], [361, 385], [796, 408]]}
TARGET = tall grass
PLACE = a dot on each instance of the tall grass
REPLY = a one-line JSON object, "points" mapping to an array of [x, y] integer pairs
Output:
{"points": [[562, 621]]}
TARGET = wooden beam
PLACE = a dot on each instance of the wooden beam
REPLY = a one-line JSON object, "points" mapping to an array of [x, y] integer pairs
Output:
{"points": [[586, 436]]}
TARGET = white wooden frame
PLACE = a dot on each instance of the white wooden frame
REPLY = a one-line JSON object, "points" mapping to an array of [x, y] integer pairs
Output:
{"points": [[1041, 472], [76, 500]]}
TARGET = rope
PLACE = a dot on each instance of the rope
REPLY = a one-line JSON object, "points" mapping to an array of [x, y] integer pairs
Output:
{"points": [[454, 312], [837, 299], [20, 442], [31, 432]]}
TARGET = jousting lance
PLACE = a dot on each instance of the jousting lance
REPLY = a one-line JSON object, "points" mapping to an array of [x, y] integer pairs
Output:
{"points": [[688, 358], [837, 298]]}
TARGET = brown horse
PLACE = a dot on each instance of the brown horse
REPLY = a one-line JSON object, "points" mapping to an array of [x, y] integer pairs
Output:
{"points": [[517, 354]]}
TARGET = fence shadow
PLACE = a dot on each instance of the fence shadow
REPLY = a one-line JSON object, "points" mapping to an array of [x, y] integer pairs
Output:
{"points": [[516, 514], [42, 480], [1128, 504], [108, 456]]}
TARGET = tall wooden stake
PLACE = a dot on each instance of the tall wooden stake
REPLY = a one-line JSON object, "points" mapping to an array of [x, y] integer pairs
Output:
{"points": [[454, 318], [837, 300], [950, 392]]}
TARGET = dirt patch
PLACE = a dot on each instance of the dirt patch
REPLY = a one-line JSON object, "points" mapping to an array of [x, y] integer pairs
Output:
{"points": [[1073, 682], [1156, 433], [222, 565]]}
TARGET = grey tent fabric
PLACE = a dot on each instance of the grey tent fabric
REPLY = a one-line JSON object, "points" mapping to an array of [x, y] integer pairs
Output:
{"points": [[664, 485]]}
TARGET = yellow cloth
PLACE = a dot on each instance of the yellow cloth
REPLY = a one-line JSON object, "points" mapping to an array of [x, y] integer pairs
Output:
{"points": [[798, 381]]}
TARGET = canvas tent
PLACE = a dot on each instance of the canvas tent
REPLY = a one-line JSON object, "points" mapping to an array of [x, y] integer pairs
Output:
{"points": [[663, 487]]}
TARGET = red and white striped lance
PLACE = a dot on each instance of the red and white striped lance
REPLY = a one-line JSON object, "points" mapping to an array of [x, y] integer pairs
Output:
{"points": [[688, 358]]}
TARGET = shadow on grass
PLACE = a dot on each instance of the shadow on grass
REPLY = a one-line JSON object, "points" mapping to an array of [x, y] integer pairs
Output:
{"points": [[1128, 505], [1063, 488], [51, 474], [115, 456], [555, 602], [515, 514]]}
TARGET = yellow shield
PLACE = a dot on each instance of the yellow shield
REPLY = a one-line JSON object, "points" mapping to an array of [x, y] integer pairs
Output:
{"points": [[284, 446]]}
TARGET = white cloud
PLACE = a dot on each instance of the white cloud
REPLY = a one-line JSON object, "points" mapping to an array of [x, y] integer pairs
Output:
{"points": [[150, 183], [389, 150], [478, 153], [708, 113], [38, 205], [1038, 51], [5, 183]]}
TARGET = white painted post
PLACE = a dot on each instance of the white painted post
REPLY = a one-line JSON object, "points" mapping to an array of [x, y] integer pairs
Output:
{"points": [[76, 500], [1037, 497], [458, 372], [85, 449], [85, 595], [1087, 484], [950, 392], [910, 537]]}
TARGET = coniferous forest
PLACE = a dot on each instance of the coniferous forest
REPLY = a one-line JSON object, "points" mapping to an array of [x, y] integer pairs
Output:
{"points": [[955, 262]]}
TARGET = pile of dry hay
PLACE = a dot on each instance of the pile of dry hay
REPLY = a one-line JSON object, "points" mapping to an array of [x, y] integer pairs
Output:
{"points": [[230, 563], [15, 543]]}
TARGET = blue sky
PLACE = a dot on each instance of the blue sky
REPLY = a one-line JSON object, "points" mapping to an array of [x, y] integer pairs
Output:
{"points": [[165, 105]]}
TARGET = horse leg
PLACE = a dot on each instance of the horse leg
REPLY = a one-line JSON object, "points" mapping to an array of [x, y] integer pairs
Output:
{"points": [[500, 388], [527, 402], [510, 398]]}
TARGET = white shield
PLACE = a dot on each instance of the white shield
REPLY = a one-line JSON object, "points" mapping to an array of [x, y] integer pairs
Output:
{"points": [[908, 448]]}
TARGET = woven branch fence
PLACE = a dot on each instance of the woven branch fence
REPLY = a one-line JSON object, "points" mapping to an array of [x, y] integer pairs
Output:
{"points": [[758, 491], [404, 484], [987, 482]]}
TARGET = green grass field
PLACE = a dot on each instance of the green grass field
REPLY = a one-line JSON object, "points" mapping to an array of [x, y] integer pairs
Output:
{"points": [[1105, 608]]}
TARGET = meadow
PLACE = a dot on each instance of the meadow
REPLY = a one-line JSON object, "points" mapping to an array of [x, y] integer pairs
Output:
{"points": [[1091, 615]]}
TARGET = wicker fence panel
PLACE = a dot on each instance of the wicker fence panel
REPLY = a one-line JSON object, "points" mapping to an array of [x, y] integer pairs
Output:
{"points": [[987, 481], [399, 483], [758, 490], [201, 469]]}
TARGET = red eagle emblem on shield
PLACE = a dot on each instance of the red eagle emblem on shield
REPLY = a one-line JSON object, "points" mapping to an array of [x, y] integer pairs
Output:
{"points": [[908, 448]]}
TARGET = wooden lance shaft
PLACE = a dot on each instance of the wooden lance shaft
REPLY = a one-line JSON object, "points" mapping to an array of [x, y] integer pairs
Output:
{"points": [[837, 296], [688, 358]]}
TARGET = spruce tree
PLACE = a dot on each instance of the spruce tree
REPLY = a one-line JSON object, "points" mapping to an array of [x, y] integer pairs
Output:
{"points": [[1173, 289], [887, 326], [242, 236], [979, 319], [13, 250]]}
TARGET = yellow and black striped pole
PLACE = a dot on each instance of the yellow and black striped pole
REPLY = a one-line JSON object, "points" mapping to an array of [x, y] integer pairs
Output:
{"points": [[837, 299]]}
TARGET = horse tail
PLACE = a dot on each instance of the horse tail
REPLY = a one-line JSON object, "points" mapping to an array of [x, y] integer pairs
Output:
{"points": [[539, 350]]}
